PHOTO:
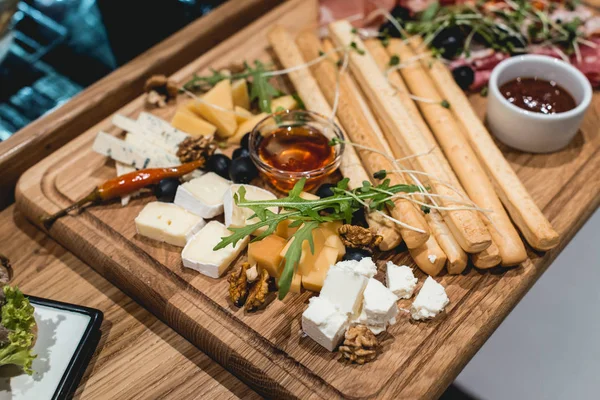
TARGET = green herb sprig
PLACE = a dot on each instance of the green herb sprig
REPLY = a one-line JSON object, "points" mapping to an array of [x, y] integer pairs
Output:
{"points": [[307, 215]]}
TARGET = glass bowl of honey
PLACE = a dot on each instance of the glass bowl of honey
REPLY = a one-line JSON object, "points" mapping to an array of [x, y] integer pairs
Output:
{"points": [[294, 144]]}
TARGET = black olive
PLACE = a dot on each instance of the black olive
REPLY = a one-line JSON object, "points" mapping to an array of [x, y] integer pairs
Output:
{"points": [[359, 218], [401, 13], [355, 254], [450, 42], [325, 190], [242, 170], [245, 142], [219, 164], [166, 189], [464, 76], [241, 152]]}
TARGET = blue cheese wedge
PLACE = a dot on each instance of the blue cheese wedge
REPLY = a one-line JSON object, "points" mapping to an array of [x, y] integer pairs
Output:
{"points": [[132, 154], [324, 323], [167, 223], [401, 280], [431, 300], [167, 140], [170, 135], [238, 217], [203, 196], [199, 255]]}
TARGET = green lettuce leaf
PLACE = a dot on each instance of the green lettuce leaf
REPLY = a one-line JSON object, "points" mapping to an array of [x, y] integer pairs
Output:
{"points": [[17, 316]]}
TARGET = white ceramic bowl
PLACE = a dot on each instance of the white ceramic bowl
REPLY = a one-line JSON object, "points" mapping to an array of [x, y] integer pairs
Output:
{"points": [[531, 131]]}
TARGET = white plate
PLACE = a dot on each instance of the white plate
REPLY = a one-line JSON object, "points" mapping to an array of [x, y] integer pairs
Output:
{"points": [[59, 335]]}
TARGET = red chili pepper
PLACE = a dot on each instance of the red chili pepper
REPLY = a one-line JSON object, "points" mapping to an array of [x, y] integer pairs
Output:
{"points": [[126, 184]]}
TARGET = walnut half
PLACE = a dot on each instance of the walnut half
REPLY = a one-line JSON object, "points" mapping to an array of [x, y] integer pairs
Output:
{"points": [[258, 292], [358, 237], [360, 345], [194, 148], [238, 285]]}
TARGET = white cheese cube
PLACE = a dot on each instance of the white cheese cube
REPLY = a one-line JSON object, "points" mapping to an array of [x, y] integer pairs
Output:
{"points": [[379, 304], [401, 280], [365, 267], [237, 217], [203, 196], [324, 323], [362, 319], [430, 301], [167, 223], [199, 255], [344, 288]]}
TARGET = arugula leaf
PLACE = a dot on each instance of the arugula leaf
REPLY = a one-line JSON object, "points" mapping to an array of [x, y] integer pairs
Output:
{"points": [[261, 89], [292, 256]]}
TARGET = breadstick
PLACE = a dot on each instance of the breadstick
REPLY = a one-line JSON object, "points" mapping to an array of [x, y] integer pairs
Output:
{"points": [[350, 114], [457, 258], [464, 224], [460, 155], [361, 129], [488, 258], [351, 167], [525, 213]]}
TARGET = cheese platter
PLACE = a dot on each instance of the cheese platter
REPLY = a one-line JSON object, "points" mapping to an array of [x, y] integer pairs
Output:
{"points": [[374, 264]]}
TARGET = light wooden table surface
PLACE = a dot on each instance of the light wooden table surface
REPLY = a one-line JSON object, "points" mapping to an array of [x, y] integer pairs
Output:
{"points": [[138, 356]]}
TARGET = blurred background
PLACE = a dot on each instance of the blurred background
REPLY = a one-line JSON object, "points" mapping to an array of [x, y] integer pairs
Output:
{"points": [[52, 49]]}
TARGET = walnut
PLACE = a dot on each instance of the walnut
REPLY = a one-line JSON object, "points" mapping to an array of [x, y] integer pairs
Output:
{"points": [[162, 85], [360, 345], [358, 237], [238, 285], [192, 149], [258, 292], [155, 99], [6, 272]]}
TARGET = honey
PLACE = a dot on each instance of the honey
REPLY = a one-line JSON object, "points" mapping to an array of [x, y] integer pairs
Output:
{"points": [[296, 149]]}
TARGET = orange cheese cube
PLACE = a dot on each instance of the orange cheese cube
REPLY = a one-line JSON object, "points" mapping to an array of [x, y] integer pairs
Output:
{"points": [[296, 286], [186, 121], [283, 229], [308, 257], [314, 279], [266, 253]]}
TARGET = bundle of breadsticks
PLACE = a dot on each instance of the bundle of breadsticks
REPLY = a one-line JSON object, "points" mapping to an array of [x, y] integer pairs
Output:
{"points": [[438, 144]]}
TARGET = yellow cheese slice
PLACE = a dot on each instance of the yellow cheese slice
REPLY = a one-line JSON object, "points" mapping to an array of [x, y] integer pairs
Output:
{"points": [[266, 253], [285, 102], [188, 122], [242, 115], [239, 92], [245, 128], [219, 95], [314, 279]]}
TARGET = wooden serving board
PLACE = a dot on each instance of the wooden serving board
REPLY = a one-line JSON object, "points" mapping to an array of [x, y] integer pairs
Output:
{"points": [[266, 349]]}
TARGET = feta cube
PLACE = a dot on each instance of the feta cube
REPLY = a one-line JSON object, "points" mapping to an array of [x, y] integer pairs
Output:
{"points": [[430, 301], [379, 304], [401, 280], [365, 267], [324, 323], [344, 288]]}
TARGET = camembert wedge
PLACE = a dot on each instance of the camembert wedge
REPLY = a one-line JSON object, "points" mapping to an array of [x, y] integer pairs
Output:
{"points": [[199, 255], [203, 196]]}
